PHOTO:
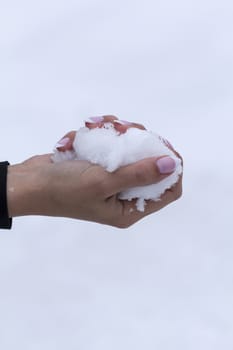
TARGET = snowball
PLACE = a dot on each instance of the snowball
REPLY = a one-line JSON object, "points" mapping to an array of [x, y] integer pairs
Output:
{"points": [[112, 150]]}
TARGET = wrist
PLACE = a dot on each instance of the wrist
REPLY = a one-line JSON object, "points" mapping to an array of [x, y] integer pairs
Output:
{"points": [[26, 190]]}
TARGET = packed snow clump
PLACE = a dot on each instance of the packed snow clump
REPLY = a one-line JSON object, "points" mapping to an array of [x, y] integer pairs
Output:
{"points": [[112, 150]]}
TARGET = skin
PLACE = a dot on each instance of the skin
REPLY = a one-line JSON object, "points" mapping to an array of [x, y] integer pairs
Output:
{"points": [[81, 190]]}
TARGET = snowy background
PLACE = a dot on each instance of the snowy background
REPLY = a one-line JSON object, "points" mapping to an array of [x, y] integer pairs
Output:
{"points": [[167, 282]]}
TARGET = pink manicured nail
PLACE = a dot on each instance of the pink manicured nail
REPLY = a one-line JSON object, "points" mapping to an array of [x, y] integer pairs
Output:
{"points": [[95, 119], [166, 165], [63, 142], [122, 122]]}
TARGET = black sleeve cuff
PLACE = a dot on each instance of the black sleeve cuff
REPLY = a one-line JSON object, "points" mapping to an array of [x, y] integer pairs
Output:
{"points": [[5, 221]]}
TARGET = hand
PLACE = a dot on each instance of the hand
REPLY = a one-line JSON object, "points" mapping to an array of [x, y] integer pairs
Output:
{"points": [[81, 190]]}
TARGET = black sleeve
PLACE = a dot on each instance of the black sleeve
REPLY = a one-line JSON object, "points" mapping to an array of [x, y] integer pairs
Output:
{"points": [[5, 221]]}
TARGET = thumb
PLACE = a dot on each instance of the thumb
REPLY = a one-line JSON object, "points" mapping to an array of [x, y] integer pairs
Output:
{"points": [[144, 172]]}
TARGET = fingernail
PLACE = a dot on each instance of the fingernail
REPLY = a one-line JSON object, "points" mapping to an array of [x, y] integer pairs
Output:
{"points": [[63, 142], [166, 165], [122, 122], [95, 119]]}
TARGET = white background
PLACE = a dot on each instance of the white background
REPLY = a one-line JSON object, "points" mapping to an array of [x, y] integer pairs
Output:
{"points": [[167, 282]]}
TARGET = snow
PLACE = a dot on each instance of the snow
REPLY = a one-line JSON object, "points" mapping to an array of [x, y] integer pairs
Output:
{"points": [[166, 282], [112, 150]]}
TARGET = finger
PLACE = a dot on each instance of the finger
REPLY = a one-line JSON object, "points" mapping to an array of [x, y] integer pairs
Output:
{"points": [[170, 146], [94, 122], [109, 118], [138, 126], [123, 125], [98, 122], [66, 143], [169, 196], [124, 213], [166, 143], [120, 125], [132, 215], [144, 172]]}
